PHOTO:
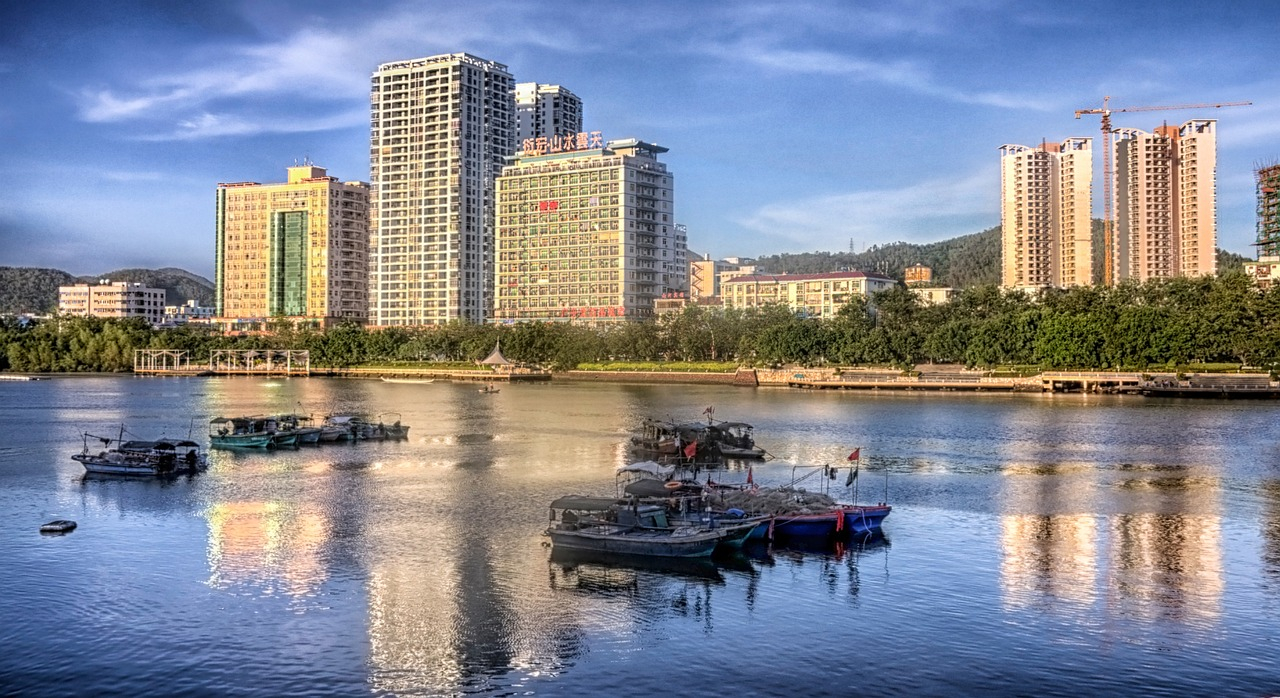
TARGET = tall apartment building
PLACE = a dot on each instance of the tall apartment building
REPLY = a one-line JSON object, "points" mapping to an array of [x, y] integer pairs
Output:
{"points": [[442, 128], [1045, 212], [295, 249], [121, 299], [546, 110], [586, 233], [815, 295], [1166, 204]]}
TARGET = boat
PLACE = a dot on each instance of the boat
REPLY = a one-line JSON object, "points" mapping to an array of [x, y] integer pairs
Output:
{"points": [[689, 444], [58, 526], [240, 432], [141, 458], [601, 525], [654, 483], [300, 425], [338, 427], [395, 430], [489, 388], [736, 441], [407, 380]]}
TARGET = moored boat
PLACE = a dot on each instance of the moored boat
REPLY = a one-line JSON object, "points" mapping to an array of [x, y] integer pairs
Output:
{"points": [[385, 379], [141, 458], [602, 525], [240, 432]]}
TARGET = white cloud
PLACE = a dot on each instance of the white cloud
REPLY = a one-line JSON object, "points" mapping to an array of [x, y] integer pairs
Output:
{"points": [[922, 212], [208, 125], [131, 176]]}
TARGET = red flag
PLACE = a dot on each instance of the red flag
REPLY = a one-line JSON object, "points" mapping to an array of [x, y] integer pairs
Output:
{"points": [[854, 455], [750, 481], [691, 449]]}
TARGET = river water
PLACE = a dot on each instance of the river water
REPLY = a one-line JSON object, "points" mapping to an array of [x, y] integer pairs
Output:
{"points": [[1039, 545]]}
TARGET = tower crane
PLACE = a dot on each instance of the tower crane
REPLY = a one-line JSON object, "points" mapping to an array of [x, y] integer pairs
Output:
{"points": [[1108, 165]]}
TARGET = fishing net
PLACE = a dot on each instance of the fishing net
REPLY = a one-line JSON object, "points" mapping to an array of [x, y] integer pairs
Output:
{"points": [[780, 501]]}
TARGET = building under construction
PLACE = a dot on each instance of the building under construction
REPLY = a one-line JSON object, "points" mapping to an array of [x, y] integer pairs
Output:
{"points": [[1268, 211]]}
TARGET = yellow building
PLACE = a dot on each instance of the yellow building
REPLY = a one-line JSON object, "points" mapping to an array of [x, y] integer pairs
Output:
{"points": [[814, 295], [118, 300], [1166, 201], [918, 274], [585, 230], [297, 249], [1046, 237]]}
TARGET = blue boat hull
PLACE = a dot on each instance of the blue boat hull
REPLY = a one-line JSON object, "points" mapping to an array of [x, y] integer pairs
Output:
{"points": [[841, 523]]}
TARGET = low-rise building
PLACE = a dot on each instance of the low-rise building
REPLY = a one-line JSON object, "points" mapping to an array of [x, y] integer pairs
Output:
{"points": [[121, 299], [935, 296], [814, 295], [188, 312], [918, 274]]}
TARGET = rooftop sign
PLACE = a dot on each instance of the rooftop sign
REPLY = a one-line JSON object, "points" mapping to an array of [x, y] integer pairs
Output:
{"points": [[570, 142]]}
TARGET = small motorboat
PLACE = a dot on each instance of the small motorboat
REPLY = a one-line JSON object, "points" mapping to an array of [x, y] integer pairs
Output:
{"points": [[598, 525], [489, 388], [58, 526]]}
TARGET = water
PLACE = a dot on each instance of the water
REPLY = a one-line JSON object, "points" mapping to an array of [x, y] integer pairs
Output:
{"points": [[1039, 545]]}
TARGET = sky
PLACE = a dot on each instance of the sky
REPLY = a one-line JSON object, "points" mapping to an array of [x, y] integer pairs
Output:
{"points": [[793, 126]]}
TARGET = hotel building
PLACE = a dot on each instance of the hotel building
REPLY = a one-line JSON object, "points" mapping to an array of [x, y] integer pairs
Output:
{"points": [[296, 249], [814, 295], [585, 233], [442, 128], [1166, 205], [1045, 215], [546, 110], [121, 299]]}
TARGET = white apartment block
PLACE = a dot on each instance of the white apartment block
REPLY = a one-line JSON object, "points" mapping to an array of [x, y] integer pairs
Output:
{"points": [[121, 299], [586, 234], [1045, 215], [545, 111], [813, 295], [1166, 204], [441, 130]]}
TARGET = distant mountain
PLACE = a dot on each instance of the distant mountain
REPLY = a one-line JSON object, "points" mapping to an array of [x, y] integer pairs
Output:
{"points": [[968, 260], [32, 290]]}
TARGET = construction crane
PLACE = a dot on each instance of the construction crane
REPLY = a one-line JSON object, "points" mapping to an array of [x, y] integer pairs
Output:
{"points": [[1108, 160]]}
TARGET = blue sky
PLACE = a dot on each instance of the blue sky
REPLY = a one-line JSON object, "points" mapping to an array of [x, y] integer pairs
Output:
{"points": [[792, 126]]}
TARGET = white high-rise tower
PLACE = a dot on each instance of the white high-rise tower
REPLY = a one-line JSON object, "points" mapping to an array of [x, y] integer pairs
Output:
{"points": [[442, 128], [546, 110]]}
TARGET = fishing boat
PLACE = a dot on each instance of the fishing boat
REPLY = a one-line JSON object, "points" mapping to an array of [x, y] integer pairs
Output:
{"points": [[736, 440], [489, 388], [240, 432], [338, 427], [394, 429], [407, 380], [141, 458], [690, 444], [654, 483], [601, 525], [297, 425]]}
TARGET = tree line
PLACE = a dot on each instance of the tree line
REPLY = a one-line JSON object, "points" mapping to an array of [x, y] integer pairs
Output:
{"points": [[1155, 325]]}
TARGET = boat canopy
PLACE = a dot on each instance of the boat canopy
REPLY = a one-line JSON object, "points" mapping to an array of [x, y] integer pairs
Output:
{"points": [[647, 467], [156, 445], [581, 503]]}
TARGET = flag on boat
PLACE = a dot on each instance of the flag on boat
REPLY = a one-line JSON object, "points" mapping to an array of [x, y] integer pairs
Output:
{"points": [[853, 475], [691, 449], [855, 455], [750, 480]]}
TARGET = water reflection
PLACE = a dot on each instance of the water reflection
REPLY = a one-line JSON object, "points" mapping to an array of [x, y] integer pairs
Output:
{"points": [[1157, 531], [1271, 530], [270, 546]]}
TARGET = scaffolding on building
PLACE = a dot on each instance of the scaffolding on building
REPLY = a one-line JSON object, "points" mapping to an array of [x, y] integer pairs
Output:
{"points": [[1268, 178]]}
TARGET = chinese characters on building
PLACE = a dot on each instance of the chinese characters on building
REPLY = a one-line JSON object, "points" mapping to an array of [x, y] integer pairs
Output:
{"points": [[543, 145]]}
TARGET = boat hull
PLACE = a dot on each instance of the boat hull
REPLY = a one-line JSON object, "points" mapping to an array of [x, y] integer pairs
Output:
{"points": [[840, 523], [101, 466], [241, 441], [864, 519], [653, 544]]}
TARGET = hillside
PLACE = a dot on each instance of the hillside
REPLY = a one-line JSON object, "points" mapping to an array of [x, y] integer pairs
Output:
{"points": [[960, 262], [33, 290]]}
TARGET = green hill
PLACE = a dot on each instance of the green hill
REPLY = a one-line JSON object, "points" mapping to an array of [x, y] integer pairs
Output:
{"points": [[33, 290], [961, 262]]}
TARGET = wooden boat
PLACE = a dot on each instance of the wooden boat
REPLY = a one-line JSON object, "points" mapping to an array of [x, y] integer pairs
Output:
{"points": [[393, 430], [840, 523], [240, 432], [299, 425], [141, 458], [651, 483], [58, 526], [690, 444], [601, 525], [489, 388], [407, 380], [736, 440]]}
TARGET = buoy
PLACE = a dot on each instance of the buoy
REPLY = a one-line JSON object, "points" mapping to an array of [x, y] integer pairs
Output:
{"points": [[59, 526], [673, 485]]}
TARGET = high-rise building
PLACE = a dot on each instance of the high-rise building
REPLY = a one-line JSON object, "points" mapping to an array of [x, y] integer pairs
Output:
{"points": [[1266, 271], [1045, 214], [121, 299], [586, 233], [1166, 206], [442, 128], [296, 249], [545, 111]]}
